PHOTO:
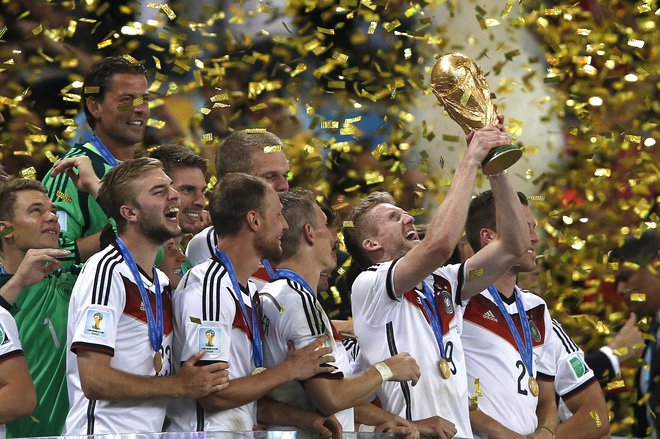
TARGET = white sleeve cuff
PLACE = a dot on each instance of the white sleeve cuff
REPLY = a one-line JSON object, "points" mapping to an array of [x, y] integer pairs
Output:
{"points": [[613, 359]]}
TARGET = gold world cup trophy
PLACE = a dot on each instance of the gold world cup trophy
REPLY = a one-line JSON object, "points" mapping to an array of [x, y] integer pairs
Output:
{"points": [[460, 86]]}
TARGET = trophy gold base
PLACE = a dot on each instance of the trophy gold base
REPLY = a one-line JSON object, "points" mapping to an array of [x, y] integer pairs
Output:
{"points": [[500, 159]]}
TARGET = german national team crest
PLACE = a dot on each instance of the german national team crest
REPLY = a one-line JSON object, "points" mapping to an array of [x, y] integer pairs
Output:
{"points": [[536, 334], [446, 299]]}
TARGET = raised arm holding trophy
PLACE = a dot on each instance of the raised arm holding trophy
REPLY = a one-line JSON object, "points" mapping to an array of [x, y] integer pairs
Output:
{"points": [[460, 86]]}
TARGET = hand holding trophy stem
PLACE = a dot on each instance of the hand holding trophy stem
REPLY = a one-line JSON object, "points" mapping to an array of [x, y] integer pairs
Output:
{"points": [[460, 86]]}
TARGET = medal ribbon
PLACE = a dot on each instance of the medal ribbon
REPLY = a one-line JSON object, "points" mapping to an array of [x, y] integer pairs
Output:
{"points": [[283, 273], [3, 271], [269, 269], [525, 349], [431, 308], [155, 325], [105, 153], [257, 350]]}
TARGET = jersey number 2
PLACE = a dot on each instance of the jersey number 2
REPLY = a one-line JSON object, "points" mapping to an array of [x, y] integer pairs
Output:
{"points": [[521, 377]]}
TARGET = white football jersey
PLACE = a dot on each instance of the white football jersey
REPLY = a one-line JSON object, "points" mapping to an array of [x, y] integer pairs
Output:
{"points": [[10, 345], [106, 315], [208, 317], [572, 374], [290, 312], [201, 246], [493, 358], [386, 325]]}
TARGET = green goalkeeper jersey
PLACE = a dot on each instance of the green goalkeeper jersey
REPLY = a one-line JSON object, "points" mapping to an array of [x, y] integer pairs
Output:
{"points": [[40, 312], [79, 213]]}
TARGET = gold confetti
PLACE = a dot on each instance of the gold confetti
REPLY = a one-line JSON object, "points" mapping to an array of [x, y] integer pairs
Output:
{"points": [[195, 320], [255, 130], [618, 384], [50, 156], [92, 89], [330, 124], [6, 231], [156, 123], [104, 43], [476, 272], [272, 148], [30, 173], [64, 196], [638, 297], [372, 27], [347, 224], [596, 417]]}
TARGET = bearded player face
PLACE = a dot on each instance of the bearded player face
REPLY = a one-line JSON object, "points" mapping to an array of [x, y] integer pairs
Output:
{"points": [[269, 242], [157, 205]]}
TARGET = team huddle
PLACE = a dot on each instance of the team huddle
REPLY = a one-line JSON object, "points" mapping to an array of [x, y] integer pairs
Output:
{"points": [[234, 338]]}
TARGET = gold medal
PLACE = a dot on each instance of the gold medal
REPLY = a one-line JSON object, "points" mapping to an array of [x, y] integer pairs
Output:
{"points": [[533, 386], [258, 370], [445, 372], [158, 362]]}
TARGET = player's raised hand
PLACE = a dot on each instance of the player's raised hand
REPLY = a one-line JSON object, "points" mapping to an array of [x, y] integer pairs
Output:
{"points": [[37, 264], [199, 381], [311, 360], [85, 178], [404, 368], [483, 140]]}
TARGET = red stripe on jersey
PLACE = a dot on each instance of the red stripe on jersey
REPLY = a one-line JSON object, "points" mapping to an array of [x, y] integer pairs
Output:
{"points": [[445, 315], [239, 321], [335, 334], [482, 311], [262, 274], [135, 309]]}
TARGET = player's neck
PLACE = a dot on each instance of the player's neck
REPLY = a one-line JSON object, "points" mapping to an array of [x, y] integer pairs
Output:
{"points": [[506, 283], [12, 258], [242, 254], [305, 268], [118, 150], [142, 249]]}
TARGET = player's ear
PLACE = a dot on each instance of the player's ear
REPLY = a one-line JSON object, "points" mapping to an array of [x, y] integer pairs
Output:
{"points": [[129, 213], [308, 233], [370, 244], [253, 220], [6, 229], [487, 236]]}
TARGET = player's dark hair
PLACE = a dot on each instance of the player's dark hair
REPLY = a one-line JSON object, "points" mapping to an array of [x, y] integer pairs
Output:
{"points": [[481, 215], [97, 80], [174, 156], [233, 197], [8, 194]]}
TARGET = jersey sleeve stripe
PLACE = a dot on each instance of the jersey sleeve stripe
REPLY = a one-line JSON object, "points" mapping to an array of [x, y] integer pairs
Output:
{"points": [[83, 346], [103, 277], [211, 240], [211, 291], [566, 341], [391, 344], [308, 306], [461, 281], [10, 355], [389, 281], [544, 377], [578, 389]]}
